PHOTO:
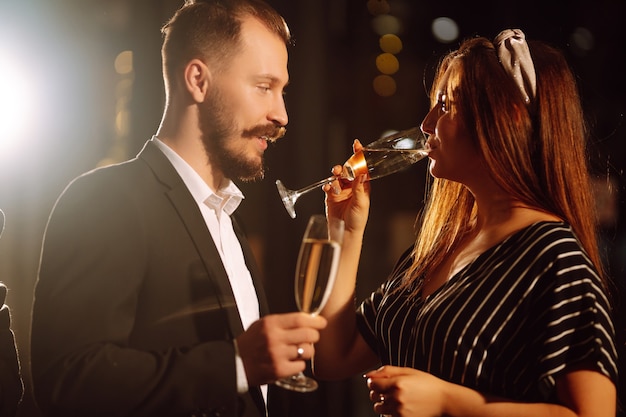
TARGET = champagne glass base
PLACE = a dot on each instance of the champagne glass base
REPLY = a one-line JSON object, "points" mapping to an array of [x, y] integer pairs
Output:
{"points": [[288, 197], [298, 383]]}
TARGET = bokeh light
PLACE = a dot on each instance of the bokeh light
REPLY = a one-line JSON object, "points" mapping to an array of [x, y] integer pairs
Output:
{"points": [[378, 7], [386, 24], [390, 43], [445, 30], [387, 63], [384, 85], [124, 63], [581, 41]]}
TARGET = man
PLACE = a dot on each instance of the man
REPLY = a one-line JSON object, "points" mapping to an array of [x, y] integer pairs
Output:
{"points": [[148, 302]]}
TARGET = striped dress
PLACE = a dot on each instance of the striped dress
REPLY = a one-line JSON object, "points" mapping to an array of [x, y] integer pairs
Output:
{"points": [[506, 324]]}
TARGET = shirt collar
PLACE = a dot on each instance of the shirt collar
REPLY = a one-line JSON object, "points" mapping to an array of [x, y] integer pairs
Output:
{"points": [[228, 196]]}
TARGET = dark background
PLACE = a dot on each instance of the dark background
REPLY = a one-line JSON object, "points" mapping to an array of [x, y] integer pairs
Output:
{"points": [[81, 113]]}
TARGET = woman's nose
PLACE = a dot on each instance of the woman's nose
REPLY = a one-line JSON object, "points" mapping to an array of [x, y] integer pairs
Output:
{"points": [[428, 124]]}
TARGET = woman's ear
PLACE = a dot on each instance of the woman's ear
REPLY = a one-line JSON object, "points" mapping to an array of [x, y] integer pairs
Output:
{"points": [[197, 79]]}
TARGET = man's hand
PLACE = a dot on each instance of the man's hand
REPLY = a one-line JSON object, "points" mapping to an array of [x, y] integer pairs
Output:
{"points": [[269, 348]]}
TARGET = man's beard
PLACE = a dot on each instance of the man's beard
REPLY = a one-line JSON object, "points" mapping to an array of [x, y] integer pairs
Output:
{"points": [[217, 130]]}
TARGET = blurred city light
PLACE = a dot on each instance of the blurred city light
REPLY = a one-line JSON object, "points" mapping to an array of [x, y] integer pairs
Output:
{"points": [[390, 43], [378, 7], [384, 85], [387, 63], [581, 41], [386, 23], [445, 30]]}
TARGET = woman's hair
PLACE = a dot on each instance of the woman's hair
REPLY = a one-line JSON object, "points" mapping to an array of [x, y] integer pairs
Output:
{"points": [[536, 152], [210, 30]]}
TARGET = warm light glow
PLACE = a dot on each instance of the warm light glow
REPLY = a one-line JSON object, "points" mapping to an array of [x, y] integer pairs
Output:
{"points": [[390, 43], [124, 63], [122, 123], [384, 85], [378, 7], [387, 63], [386, 23], [16, 99]]}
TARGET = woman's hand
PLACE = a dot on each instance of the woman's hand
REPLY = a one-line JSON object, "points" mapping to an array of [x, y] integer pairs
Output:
{"points": [[349, 200], [408, 392], [404, 392]]}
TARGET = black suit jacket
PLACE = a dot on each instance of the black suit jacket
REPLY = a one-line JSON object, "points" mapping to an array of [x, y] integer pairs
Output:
{"points": [[133, 312]]}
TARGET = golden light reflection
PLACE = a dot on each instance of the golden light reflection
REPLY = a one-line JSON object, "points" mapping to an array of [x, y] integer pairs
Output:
{"points": [[390, 43], [124, 63], [387, 63]]}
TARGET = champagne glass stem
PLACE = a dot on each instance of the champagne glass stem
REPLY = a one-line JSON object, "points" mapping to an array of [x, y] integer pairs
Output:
{"points": [[290, 197], [316, 185]]}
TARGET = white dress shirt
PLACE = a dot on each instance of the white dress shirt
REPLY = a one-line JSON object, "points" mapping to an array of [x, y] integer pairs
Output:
{"points": [[216, 208]]}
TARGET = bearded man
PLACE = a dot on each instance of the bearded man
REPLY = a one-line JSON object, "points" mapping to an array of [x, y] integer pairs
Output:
{"points": [[148, 302]]}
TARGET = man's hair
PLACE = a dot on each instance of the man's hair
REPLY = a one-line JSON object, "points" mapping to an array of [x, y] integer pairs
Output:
{"points": [[210, 30]]}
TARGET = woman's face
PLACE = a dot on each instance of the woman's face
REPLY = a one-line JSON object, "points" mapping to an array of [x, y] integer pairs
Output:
{"points": [[454, 155]]}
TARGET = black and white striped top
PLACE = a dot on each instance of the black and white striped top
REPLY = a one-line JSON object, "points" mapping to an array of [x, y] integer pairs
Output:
{"points": [[505, 325]]}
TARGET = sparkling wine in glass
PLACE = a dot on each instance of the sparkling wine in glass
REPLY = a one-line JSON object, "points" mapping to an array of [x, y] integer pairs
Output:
{"points": [[316, 270], [382, 157]]}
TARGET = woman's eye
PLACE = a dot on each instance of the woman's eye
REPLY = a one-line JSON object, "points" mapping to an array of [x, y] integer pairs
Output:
{"points": [[443, 103]]}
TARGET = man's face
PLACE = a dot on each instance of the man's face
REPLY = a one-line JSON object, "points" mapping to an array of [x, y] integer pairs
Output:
{"points": [[246, 104]]}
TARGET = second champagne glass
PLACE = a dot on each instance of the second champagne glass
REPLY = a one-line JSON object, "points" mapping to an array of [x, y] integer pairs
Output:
{"points": [[316, 270], [382, 157]]}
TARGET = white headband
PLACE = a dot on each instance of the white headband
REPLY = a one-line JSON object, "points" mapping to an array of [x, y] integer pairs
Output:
{"points": [[514, 56]]}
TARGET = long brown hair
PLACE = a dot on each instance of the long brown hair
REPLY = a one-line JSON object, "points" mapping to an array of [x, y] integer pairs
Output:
{"points": [[209, 30], [536, 152]]}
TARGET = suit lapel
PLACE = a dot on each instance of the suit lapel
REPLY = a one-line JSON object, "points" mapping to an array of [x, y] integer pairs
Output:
{"points": [[191, 217], [190, 214]]}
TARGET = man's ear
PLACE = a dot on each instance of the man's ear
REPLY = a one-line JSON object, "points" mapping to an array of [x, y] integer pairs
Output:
{"points": [[197, 79]]}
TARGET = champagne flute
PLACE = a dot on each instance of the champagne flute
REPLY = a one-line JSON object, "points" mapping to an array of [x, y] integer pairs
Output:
{"points": [[382, 157], [316, 270]]}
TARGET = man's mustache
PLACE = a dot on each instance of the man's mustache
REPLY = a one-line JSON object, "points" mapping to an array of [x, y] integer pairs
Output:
{"points": [[270, 133]]}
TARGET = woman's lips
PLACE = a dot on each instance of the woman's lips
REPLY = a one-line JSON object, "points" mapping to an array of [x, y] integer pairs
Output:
{"points": [[433, 143]]}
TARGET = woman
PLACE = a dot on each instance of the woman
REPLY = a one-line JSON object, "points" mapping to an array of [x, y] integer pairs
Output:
{"points": [[501, 307]]}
